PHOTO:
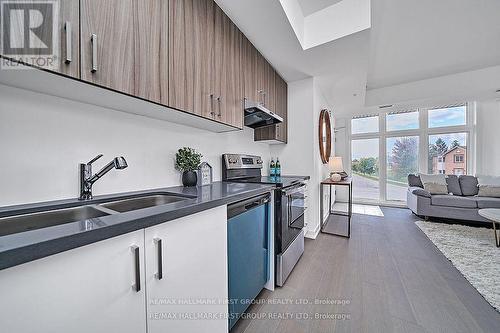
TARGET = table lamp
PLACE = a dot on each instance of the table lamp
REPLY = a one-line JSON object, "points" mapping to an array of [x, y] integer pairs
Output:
{"points": [[336, 169]]}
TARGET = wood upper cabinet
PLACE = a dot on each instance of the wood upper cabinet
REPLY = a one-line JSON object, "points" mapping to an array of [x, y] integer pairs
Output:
{"points": [[258, 76], [249, 60], [204, 92], [269, 87], [276, 133], [205, 64], [65, 57], [151, 48], [282, 108], [229, 83], [191, 69], [124, 46]]}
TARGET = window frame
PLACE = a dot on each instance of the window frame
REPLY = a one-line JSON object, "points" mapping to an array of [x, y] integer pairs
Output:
{"points": [[423, 133]]}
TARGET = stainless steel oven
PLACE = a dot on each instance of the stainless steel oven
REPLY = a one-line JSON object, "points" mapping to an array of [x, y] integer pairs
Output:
{"points": [[294, 199]]}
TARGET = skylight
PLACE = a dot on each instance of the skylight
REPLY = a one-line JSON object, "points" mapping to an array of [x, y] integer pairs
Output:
{"points": [[341, 19]]}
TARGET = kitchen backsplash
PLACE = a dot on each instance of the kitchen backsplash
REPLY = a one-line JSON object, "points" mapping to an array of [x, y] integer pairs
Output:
{"points": [[43, 139]]}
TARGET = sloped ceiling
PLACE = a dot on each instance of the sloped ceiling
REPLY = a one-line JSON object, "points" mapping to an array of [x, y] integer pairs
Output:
{"points": [[311, 6]]}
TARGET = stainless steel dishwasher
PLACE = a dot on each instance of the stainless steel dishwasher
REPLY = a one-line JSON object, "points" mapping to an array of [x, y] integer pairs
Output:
{"points": [[248, 244]]}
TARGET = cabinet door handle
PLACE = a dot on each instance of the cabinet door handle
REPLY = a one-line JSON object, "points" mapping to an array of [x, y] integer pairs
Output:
{"points": [[218, 101], [212, 113], [260, 92], [137, 266], [158, 243], [93, 40], [69, 49]]}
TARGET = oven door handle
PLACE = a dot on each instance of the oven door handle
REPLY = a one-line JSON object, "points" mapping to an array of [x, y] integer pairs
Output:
{"points": [[295, 189]]}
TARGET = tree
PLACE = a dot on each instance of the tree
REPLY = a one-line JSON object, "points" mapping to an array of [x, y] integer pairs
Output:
{"points": [[355, 165], [436, 149], [441, 146], [403, 159], [368, 165], [455, 144]]}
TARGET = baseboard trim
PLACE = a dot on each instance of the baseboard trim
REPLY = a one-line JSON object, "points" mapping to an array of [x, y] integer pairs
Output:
{"points": [[312, 234]]}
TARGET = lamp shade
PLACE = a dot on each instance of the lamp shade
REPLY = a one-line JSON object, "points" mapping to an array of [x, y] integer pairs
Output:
{"points": [[335, 164]]}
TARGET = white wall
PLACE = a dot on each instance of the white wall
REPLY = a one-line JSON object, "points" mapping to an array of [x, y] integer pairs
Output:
{"points": [[44, 138], [322, 170], [301, 155], [488, 138]]}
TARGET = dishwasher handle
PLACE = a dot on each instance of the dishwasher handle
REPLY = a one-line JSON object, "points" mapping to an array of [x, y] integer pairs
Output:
{"points": [[246, 205]]}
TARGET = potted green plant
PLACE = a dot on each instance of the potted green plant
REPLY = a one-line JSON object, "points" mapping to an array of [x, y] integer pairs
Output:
{"points": [[187, 161]]}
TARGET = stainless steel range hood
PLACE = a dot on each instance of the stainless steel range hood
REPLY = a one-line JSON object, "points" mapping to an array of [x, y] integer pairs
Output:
{"points": [[257, 115]]}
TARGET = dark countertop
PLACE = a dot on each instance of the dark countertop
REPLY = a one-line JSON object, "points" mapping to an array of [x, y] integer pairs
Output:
{"points": [[19, 248]]}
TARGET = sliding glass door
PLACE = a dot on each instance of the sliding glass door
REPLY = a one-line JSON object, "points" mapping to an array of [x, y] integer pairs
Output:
{"points": [[365, 169], [402, 160]]}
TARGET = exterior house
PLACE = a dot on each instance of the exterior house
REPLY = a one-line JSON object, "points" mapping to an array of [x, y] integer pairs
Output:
{"points": [[453, 162]]}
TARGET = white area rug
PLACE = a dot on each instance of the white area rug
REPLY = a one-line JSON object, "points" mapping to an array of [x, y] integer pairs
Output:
{"points": [[473, 252]]}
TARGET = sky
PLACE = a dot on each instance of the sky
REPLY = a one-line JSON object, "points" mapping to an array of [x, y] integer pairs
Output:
{"points": [[447, 117]]}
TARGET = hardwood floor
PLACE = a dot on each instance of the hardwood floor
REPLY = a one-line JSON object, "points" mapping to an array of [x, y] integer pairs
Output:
{"points": [[393, 277]]}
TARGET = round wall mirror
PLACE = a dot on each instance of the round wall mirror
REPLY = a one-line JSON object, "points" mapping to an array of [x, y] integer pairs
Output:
{"points": [[325, 136]]}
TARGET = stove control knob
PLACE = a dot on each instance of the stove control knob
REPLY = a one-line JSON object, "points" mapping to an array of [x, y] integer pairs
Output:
{"points": [[232, 160], [259, 161]]}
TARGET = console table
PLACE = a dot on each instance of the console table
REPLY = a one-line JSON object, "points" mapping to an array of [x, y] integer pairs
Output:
{"points": [[332, 214]]}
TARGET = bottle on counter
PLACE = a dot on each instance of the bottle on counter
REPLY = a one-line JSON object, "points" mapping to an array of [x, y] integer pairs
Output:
{"points": [[272, 168], [278, 168]]}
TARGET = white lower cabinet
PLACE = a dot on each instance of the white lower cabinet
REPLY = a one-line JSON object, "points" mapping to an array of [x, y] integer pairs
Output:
{"points": [[88, 289], [94, 288], [192, 293]]}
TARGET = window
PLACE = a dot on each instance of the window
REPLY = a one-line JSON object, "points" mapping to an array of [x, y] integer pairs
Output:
{"points": [[425, 140], [365, 168], [453, 116], [441, 146], [402, 121], [364, 125], [402, 160]]}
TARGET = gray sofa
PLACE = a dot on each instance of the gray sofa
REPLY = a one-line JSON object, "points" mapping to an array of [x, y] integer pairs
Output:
{"points": [[462, 204]]}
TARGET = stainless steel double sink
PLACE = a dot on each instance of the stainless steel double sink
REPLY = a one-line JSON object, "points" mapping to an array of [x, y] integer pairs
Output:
{"points": [[47, 218]]}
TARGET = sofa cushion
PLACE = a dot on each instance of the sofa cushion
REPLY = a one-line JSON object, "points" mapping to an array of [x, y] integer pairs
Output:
{"points": [[414, 181], [486, 202], [453, 185], [468, 185], [447, 200]]}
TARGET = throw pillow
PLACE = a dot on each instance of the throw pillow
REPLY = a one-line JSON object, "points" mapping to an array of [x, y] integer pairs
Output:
{"points": [[434, 188], [414, 181], [453, 185], [434, 184], [468, 185]]}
